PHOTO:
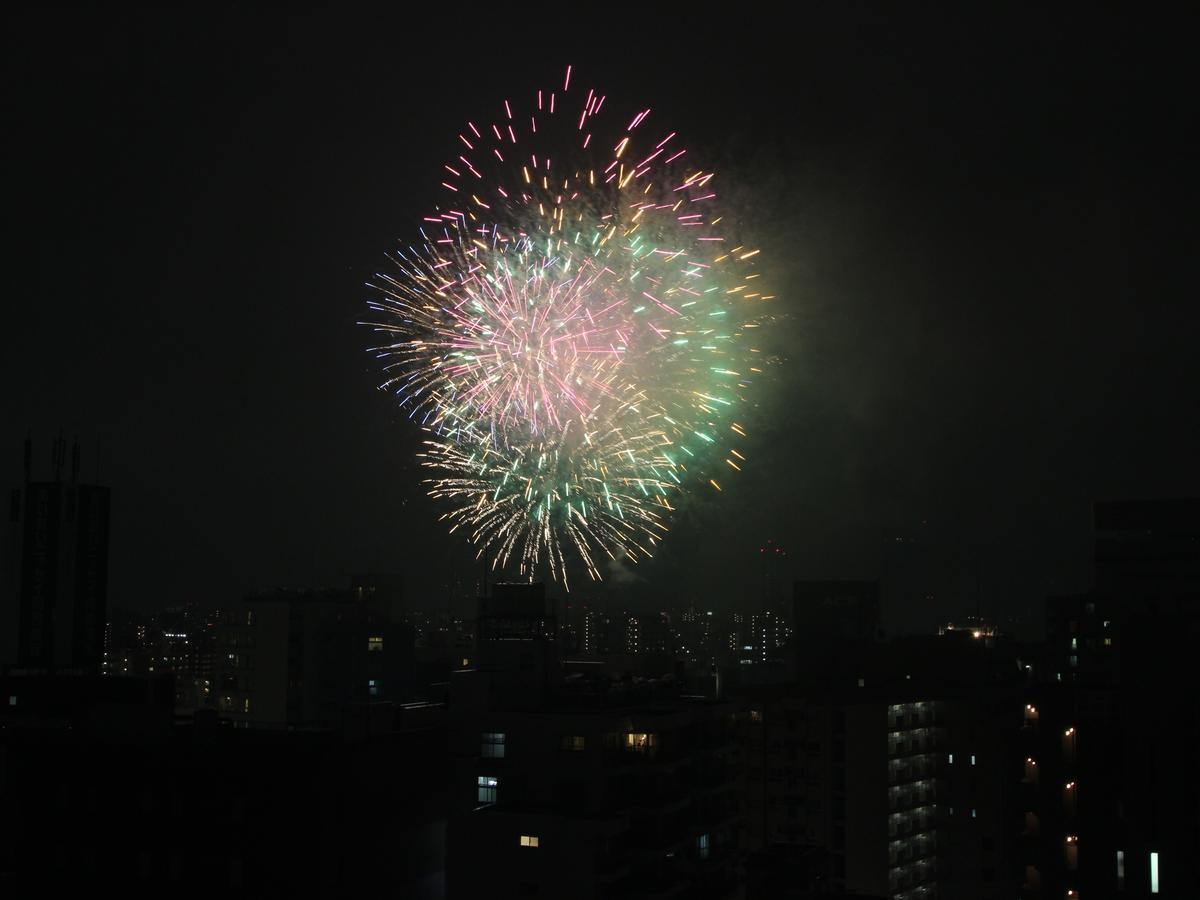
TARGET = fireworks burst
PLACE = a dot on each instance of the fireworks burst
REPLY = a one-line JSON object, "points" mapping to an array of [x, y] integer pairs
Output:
{"points": [[572, 332]]}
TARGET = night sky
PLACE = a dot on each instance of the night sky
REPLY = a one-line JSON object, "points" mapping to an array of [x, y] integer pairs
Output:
{"points": [[981, 230]]}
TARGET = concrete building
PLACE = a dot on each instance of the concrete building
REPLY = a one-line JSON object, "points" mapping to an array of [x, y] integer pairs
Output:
{"points": [[584, 786], [54, 590], [289, 658]]}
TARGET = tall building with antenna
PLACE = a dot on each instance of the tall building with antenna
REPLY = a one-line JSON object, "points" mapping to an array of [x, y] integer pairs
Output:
{"points": [[55, 584]]}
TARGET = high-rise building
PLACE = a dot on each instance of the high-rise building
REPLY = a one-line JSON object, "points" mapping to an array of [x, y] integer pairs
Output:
{"points": [[1108, 787], [899, 793], [56, 583]]}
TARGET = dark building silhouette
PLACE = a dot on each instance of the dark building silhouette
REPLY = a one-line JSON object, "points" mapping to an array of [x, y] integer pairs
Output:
{"points": [[56, 556], [584, 786], [1148, 546], [100, 788], [884, 774], [298, 658], [1109, 790]]}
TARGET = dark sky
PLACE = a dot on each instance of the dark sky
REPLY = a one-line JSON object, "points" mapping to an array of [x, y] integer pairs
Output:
{"points": [[982, 229]]}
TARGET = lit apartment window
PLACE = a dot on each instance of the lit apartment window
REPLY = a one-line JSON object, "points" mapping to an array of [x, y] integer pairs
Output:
{"points": [[640, 742], [246, 705], [1120, 870], [374, 644], [702, 846], [488, 786], [573, 742], [529, 840], [373, 687], [951, 759], [1154, 873], [492, 744], [972, 759]]}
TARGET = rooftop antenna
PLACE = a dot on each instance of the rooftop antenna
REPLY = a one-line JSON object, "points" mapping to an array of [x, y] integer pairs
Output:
{"points": [[978, 586]]}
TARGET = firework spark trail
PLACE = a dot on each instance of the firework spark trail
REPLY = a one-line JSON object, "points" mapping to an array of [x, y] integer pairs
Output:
{"points": [[571, 331]]}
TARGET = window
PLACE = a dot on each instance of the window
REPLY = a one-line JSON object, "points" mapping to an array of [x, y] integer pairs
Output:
{"points": [[1120, 870], [488, 786], [972, 759], [702, 846], [373, 687], [951, 759], [640, 742], [492, 745], [12, 700], [246, 705], [529, 840], [374, 644], [573, 742], [1153, 873]]}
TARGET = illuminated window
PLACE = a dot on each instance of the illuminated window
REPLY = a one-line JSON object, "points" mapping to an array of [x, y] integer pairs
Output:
{"points": [[951, 759], [529, 840], [488, 786], [573, 742], [972, 759], [1120, 870], [374, 644], [492, 744], [1154, 873], [702, 846], [246, 705], [640, 742], [373, 687]]}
